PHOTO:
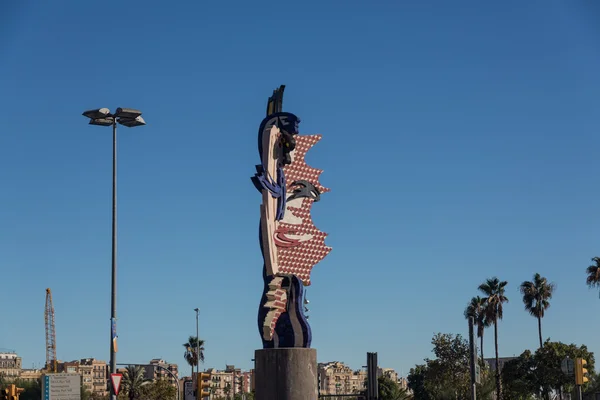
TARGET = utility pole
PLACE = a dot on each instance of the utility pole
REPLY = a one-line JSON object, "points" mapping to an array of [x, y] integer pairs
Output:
{"points": [[473, 358], [197, 350], [578, 392], [372, 384]]}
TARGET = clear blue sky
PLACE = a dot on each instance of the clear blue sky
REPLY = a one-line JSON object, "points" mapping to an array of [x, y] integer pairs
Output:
{"points": [[460, 142]]}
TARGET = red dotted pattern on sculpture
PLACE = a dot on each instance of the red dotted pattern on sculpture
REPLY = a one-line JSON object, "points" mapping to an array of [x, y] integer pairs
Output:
{"points": [[300, 260]]}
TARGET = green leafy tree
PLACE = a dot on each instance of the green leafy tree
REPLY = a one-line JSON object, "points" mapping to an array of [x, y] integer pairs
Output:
{"points": [[494, 291], [133, 383], [449, 373], [487, 388], [390, 390], [476, 309], [247, 396], [518, 379], [191, 348], [540, 373], [85, 394], [593, 386], [445, 377], [536, 297], [160, 389], [548, 361], [227, 389], [416, 382]]}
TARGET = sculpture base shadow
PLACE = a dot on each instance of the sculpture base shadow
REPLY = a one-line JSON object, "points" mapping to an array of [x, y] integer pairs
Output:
{"points": [[286, 374]]}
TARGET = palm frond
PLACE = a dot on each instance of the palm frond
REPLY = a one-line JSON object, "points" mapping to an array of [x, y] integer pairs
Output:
{"points": [[593, 273]]}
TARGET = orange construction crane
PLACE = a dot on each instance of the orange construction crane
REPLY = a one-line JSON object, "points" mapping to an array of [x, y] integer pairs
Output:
{"points": [[51, 362]]}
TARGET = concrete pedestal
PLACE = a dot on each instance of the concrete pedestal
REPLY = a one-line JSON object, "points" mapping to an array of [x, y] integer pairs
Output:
{"points": [[286, 374]]}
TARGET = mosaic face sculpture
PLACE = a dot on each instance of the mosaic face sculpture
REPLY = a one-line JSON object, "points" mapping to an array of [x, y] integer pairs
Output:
{"points": [[291, 244]]}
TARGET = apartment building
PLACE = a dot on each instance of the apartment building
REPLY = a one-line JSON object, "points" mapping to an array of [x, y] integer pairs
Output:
{"points": [[247, 379], [337, 378], [389, 373], [30, 375], [156, 370], [230, 381], [94, 374], [10, 364]]}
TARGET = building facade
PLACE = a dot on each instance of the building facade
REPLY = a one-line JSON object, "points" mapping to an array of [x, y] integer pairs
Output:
{"points": [[337, 378], [97, 372], [388, 373], [10, 364], [94, 374], [156, 370], [229, 382], [30, 375]]}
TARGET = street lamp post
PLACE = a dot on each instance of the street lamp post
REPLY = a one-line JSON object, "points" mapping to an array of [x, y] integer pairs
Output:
{"points": [[197, 348], [130, 118]]}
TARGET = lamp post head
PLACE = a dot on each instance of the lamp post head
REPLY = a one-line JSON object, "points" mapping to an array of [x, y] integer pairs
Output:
{"points": [[131, 122], [100, 116], [125, 116], [98, 113], [109, 121], [128, 113]]}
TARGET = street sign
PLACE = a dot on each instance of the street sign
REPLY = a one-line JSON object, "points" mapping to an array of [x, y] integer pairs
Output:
{"points": [[62, 387], [188, 391], [477, 374], [568, 366], [116, 382]]}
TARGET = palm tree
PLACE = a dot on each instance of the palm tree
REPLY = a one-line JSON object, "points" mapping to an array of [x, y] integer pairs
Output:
{"points": [[133, 381], [494, 289], [536, 297], [190, 351], [476, 309], [593, 273]]}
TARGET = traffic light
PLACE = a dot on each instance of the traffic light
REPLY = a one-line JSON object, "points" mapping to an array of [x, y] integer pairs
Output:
{"points": [[12, 392], [17, 393], [5, 394], [580, 371], [203, 385]]}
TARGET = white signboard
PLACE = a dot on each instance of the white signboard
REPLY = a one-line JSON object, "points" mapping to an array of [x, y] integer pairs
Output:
{"points": [[568, 366], [62, 387], [188, 388]]}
